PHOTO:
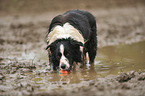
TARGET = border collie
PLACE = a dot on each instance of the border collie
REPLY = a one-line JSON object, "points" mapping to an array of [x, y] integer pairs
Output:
{"points": [[70, 36]]}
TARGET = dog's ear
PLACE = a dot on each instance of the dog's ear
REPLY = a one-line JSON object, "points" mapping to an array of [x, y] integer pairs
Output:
{"points": [[79, 43], [48, 47], [76, 43]]}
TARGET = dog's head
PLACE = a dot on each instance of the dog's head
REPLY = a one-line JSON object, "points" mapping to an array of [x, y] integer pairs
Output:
{"points": [[65, 53]]}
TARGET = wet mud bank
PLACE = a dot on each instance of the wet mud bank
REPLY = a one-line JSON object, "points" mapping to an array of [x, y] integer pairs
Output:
{"points": [[24, 69], [125, 84]]}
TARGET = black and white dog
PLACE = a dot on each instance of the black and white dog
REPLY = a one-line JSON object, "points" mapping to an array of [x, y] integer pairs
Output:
{"points": [[70, 37]]}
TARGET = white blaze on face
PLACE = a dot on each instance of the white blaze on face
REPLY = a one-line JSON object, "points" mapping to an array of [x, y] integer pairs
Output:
{"points": [[63, 59]]}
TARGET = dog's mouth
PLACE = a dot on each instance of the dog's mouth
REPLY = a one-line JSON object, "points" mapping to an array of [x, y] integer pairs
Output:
{"points": [[69, 68], [66, 69]]}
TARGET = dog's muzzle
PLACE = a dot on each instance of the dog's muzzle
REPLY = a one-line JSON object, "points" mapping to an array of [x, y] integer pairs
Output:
{"points": [[63, 66]]}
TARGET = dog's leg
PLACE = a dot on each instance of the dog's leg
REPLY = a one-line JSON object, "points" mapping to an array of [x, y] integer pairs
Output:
{"points": [[92, 54], [92, 49], [53, 68]]}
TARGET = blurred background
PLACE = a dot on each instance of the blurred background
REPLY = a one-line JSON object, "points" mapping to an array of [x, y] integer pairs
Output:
{"points": [[39, 6]]}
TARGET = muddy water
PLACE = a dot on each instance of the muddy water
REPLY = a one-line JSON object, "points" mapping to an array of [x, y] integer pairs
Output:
{"points": [[121, 58], [31, 72], [110, 60]]}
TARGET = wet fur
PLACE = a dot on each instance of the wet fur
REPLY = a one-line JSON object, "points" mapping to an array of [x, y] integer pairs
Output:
{"points": [[86, 24]]}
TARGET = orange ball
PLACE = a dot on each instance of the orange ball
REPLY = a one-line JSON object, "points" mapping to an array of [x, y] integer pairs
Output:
{"points": [[62, 72]]}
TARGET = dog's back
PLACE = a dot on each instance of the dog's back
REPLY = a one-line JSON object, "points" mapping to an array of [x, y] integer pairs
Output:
{"points": [[81, 20]]}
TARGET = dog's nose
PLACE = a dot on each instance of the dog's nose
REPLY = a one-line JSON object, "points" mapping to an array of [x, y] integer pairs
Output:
{"points": [[63, 66]]}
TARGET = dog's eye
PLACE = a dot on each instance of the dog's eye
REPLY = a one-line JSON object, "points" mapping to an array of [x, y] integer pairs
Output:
{"points": [[67, 54], [59, 55]]}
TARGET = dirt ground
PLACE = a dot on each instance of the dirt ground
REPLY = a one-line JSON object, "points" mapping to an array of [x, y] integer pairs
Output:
{"points": [[23, 29]]}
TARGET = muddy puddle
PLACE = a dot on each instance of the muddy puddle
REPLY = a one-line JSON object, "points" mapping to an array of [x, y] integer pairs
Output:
{"points": [[30, 72], [111, 60], [121, 58]]}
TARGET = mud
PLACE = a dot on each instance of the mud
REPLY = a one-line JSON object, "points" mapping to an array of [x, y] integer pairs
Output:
{"points": [[126, 84], [24, 69]]}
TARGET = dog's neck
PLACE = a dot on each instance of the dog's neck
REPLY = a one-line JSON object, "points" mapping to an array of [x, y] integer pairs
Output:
{"points": [[63, 32]]}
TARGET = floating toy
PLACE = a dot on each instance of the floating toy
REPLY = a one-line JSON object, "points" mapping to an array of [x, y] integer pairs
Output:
{"points": [[62, 72]]}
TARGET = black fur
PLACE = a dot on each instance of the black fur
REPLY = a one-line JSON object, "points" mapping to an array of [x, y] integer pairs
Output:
{"points": [[72, 52], [86, 24]]}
